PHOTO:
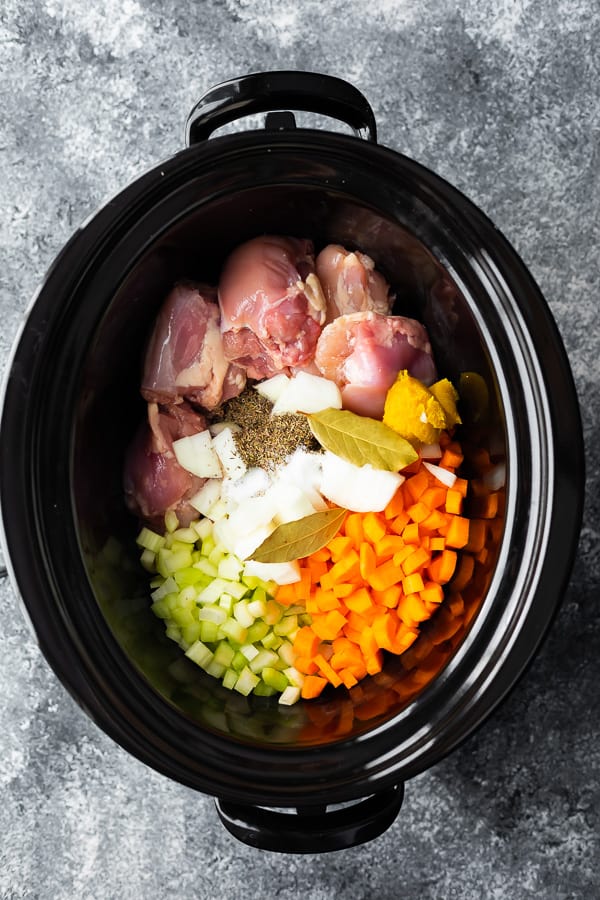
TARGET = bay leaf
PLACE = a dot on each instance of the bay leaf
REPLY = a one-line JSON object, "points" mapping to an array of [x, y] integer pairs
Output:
{"points": [[361, 440], [293, 540]]}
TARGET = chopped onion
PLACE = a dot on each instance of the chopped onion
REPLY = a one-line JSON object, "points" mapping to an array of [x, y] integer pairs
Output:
{"points": [[447, 478], [431, 451]]}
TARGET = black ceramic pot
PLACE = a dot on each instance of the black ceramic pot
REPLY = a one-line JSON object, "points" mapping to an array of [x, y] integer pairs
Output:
{"points": [[326, 774]]}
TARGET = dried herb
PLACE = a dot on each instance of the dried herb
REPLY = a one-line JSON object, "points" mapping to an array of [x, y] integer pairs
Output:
{"points": [[294, 540], [361, 440]]}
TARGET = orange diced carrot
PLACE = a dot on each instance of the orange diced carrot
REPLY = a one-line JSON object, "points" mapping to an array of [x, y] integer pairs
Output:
{"points": [[410, 534], [398, 524], [368, 560], [373, 527], [306, 642], [461, 485], [441, 569], [354, 529], [454, 500], [418, 511], [312, 686], [395, 506], [317, 568], [385, 576], [437, 543], [321, 555], [343, 570], [359, 601], [464, 572], [348, 680], [458, 532], [477, 531], [403, 554], [384, 630], [404, 638], [432, 592], [416, 560], [311, 605], [412, 584], [416, 485], [433, 522], [339, 546], [327, 671], [286, 594], [434, 497], [388, 545], [326, 600], [375, 663], [452, 456], [412, 609], [306, 665], [344, 589], [389, 597]]}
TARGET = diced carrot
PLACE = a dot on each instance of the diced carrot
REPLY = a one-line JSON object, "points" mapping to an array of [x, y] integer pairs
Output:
{"points": [[344, 589], [477, 532], [418, 511], [412, 584], [388, 545], [312, 686], [322, 555], [395, 506], [441, 568], [359, 601], [437, 543], [403, 554], [354, 529], [410, 534], [317, 567], [348, 680], [306, 665], [461, 485], [432, 592], [327, 671], [398, 524], [326, 600], [454, 500], [434, 497], [464, 572], [458, 532], [434, 521], [384, 630], [416, 560], [368, 560], [452, 456], [286, 594], [373, 527], [375, 663], [385, 576], [404, 638], [306, 642], [389, 597], [343, 570], [339, 546]]}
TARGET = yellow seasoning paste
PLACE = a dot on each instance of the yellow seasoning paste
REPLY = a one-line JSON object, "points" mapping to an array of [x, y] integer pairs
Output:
{"points": [[419, 413]]}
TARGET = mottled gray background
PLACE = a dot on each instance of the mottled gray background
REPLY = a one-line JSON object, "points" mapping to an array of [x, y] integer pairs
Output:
{"points": [[506, 105]]}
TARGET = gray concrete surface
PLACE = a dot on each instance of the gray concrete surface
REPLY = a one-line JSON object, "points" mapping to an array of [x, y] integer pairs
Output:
{"points": [[506, 105]]}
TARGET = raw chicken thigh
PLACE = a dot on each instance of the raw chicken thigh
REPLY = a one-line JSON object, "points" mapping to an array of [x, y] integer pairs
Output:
{"points": [[272, 305], [350, 283], [364, 351], [153, 479], [185, 354]]}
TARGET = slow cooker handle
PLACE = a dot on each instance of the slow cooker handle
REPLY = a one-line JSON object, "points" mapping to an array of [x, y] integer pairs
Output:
{"points": [[312, 829], [270, 91]]}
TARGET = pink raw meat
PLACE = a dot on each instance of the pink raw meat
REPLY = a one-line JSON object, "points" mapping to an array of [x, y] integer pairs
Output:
{"points": [[272, 305], [153, 479], [185, 354], [364, 351], [351, 283]]}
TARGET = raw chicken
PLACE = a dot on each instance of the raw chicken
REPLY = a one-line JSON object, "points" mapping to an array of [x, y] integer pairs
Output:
{"points": [[185, 356], [364, 351], [272, 305], [350, 283], [153, 479]]}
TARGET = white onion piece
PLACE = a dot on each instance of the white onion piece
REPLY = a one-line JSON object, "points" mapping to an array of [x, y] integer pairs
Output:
{"points": [[431, 451], [495, 478], [197, 454], [443, 475]]}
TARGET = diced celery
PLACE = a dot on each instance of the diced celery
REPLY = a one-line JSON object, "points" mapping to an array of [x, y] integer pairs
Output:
{"points": [[208, 545], [286, 653], [274, 612], [212, 613], [160, 609], [209, 632], [290, 696], [149, 540], [224, 654], [271, 641], [186, 535], [200, 654], [257, 631], [178, 559], [189, 575], [236, 589], [246, 682], [203, 528], [239, 661], [167, 587], [286, 625], [182, 616], [187, 596], [252, 581], [161, 562], [171, 520], [274, 678], [264, 690], [191, 633], [173, 632], [148, 560], [260, 596], [241, 614], [249, 651], [217, 555], [230, 568], [178, 546], [263, 658], [215, 669], [294, 677], [212, 591], [257, 608], [235, 631], [203, 565], [226, 603], [229, 679]]}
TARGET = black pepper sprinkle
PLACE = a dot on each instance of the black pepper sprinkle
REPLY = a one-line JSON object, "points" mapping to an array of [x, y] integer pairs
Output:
{"points": [[265, 440]]}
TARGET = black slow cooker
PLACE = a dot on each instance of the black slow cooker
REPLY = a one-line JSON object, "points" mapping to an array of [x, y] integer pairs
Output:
{"points": [[328, 773]]}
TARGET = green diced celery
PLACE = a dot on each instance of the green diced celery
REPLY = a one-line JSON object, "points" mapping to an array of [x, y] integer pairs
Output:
{"points": [[271, 641], [208, 545], [190, 575], [178, 559], [257, 608], [257, 631], [191, 633], [173, 632], [160, 609], [239, 661], [203, 528], [249, 651], [230, 568], [224, 654], [246, 682], [242, 615], [212, 613], [187, 596], [287, 653], [236, 589], [274, 612], [168, 586], [148, 560], [263, 658], [209, 632], [215, 669], [179, 546], [149, 540], [200, 654], [290, 696], [286, 625], [212, 591], [185, 535], [171, 520], [234, 630], [264, 690], [229, 679], [182, 616], [226, 603], [203, 565], [274, 678], [294, 677], [215, 556]]}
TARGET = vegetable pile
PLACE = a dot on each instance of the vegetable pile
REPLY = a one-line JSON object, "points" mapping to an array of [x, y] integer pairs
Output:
{"points": [[282, 574]]}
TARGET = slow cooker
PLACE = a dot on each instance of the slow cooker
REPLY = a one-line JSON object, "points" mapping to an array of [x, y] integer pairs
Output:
{"points": [[328, 773]]}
